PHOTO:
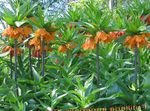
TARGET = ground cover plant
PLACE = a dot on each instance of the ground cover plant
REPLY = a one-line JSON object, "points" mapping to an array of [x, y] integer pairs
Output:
{"points": [[89, 56]]}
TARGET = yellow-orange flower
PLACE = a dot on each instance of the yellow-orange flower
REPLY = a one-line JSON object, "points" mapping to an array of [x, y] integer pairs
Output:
{"points": [[89, 44], [62, 48], [116, 34], [146, 34], [37, 51], [9, 48], [42, 33], [113, 35], [17, 32], [102, 37], [26, 31], [135, 41], [36, 42], [6, 49], [13, 32]]}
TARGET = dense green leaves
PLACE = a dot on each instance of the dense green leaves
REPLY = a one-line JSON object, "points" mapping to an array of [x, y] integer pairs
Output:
{"points": [[70, 80]]}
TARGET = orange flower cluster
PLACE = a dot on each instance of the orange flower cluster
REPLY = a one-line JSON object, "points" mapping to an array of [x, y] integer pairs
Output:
{"points": [[43, 34], [135, 41], [115, 35], [90, 42], [102, 37], [27, 30], [38, 53], [146, 34], [62, 48], [11, 50], [36, 42], [17, 32], [68, 46]]}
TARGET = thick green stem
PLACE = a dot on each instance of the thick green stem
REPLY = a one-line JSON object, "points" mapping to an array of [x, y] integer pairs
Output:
{"points": [[97, 63], [38, 64], [139, 70], [136, 65], [30, 62], [43, 56], [15, 54], [11, 67]]}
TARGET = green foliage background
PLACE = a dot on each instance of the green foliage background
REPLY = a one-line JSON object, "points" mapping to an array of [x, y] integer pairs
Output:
{"points": [[71, 83]]}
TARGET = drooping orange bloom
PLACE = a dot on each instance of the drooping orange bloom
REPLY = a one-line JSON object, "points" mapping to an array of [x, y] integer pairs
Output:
{"points": [[27, 30], [102, 37], [135, 41], [146, 34], [37, 52], [42, 33], [115, 35], [8, 48], [13, 32], [17, 32], [89, 44], [141, 41], [68, 46], [11, 50], [62, 48], [35, 42]]}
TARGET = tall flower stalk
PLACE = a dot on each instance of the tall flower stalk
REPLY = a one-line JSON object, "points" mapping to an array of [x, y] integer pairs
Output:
{"points": [[30, 62], [137, 67], [93, 42], [97, 63], [11, 67], [16, 63], [38, 64], [43, 57], [134, 42]]}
